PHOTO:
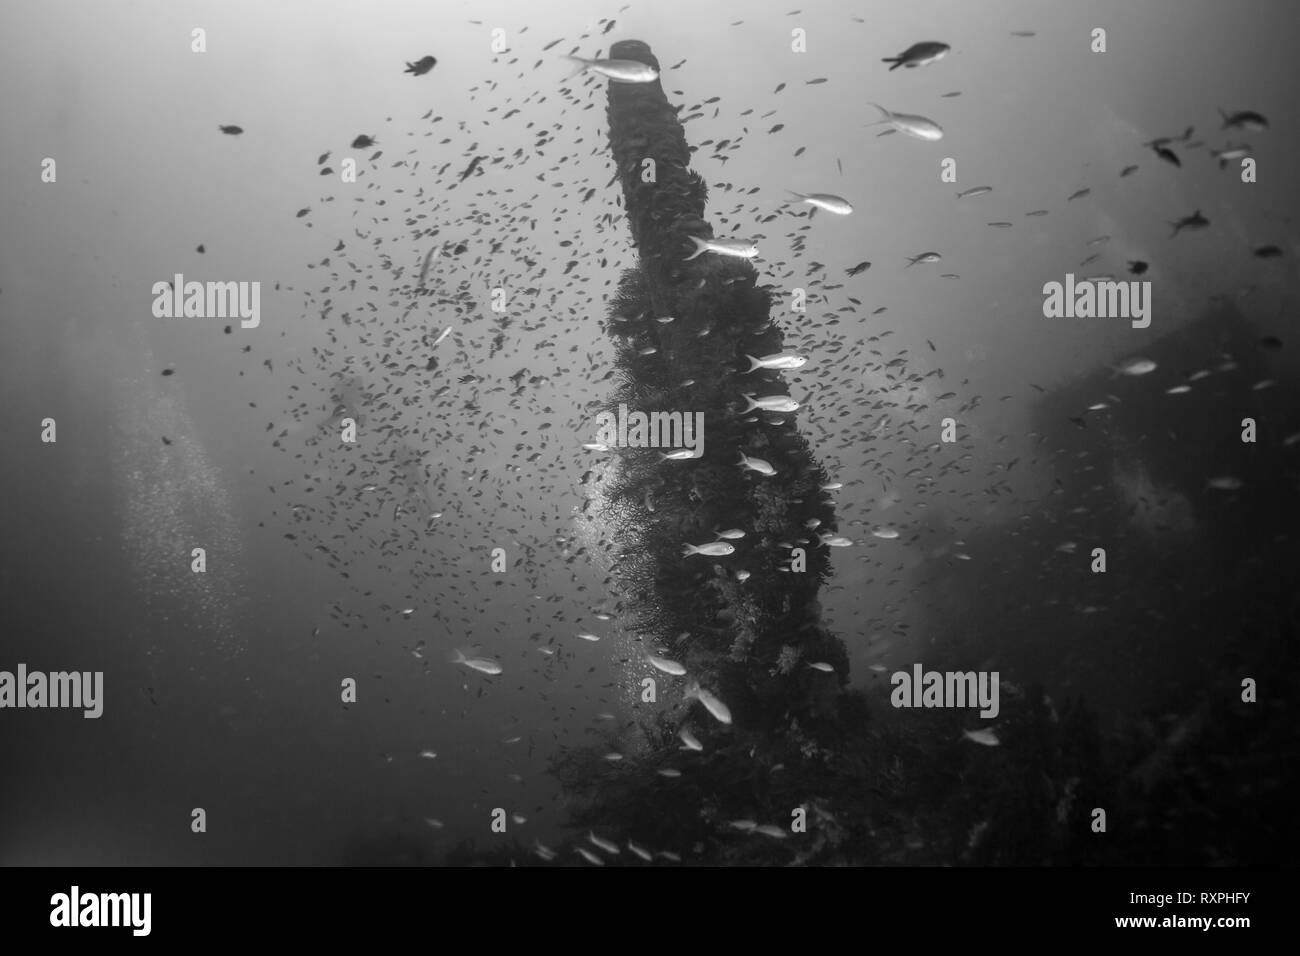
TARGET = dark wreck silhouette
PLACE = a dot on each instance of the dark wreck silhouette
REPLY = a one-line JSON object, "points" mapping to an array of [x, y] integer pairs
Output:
{"points": [[1203, 783]]}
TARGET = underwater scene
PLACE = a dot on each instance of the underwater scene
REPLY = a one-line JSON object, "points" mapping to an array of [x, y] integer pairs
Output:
{"points": [[596, 434]]}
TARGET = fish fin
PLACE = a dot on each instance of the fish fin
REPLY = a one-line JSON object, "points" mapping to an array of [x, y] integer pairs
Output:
{"points": [[700, 246], [896, 60], [582, 65], [689, 550], [798, 197], [751, 404], [753, 363], [887, 117]]}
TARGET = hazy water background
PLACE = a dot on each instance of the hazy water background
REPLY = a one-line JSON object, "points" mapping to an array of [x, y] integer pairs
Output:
{"points": [[246, 721]]}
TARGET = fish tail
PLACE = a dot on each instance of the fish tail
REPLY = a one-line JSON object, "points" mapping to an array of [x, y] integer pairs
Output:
{"points": [[753, 363], [887, 116], [700, 246], [896, 60], [582, 65], [751, 404], [689, 550], [798, 197], [458, 656]]}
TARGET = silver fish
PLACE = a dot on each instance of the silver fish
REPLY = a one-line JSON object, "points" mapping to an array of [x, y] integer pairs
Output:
{"points": [[481, 664], [771, 403], [717, 708], [620, 71], [923, 257], [1135, 366], [714, 549], [918, 127], [778, 360], [588, 856], [665, 665], [756, 464], [737, 248], [826, 201]]}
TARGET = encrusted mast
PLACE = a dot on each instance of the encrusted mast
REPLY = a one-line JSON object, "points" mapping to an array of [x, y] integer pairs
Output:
{"points": [[745, 624]]}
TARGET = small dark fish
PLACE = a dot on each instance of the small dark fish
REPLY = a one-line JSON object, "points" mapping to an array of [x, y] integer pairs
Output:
{"points": [[1037, 212], [166, 440], [231, 130], [1077, 421], [432, 366], [320, 161], [1194, 221], [1270, 342], [200, 249], [421, 66], [1137, 267], [609, 26], [168, 371], [1263, 252], [1078, 194], [364, 142], [302, 212], [469, 170], [1129, 170], [1000, 225], [859, 268], [1023, 33], [1245, 119], [918, 54], [1168, 155]]}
